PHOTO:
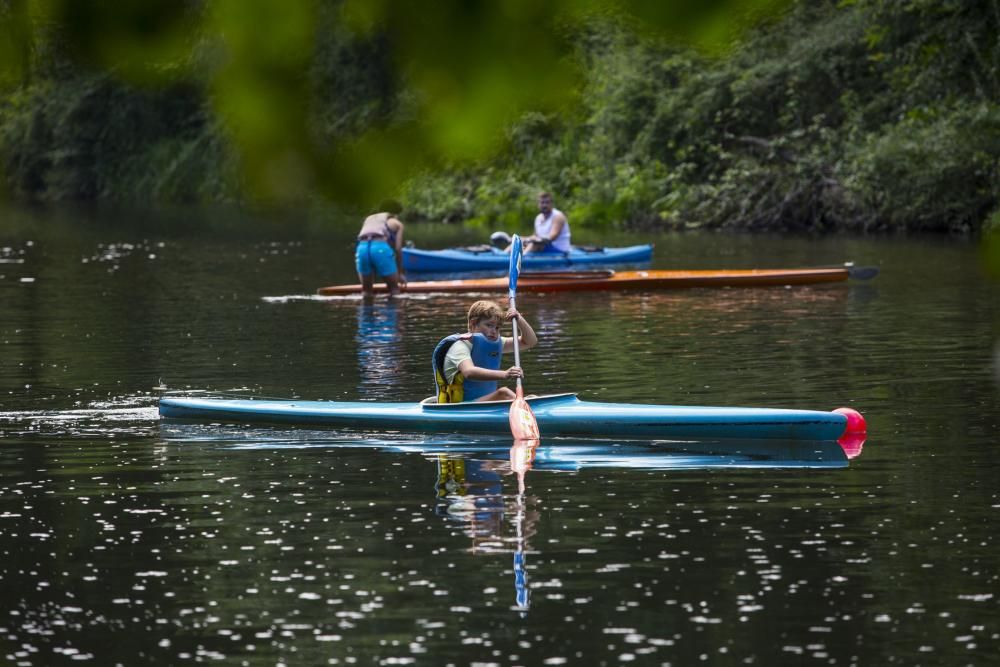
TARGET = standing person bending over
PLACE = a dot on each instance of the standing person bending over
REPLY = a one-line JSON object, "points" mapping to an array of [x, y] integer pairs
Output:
{"points": [[467, 366], [380, 251], [551, 228]]}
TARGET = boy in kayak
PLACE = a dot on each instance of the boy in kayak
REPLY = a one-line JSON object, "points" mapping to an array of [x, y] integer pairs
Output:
{"points": [[467, 366], [380, 251]]}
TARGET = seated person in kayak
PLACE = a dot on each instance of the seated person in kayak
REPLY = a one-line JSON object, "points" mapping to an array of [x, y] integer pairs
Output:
{"points": [[551, 229], [467, 366], [380, 251]]}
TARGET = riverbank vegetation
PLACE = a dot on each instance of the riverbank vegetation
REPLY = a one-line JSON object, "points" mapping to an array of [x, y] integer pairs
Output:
{"points": [[826, 115]]}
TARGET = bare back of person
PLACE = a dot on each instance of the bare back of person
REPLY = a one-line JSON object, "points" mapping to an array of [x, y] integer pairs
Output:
{"points": [[382, 228], [376, 225]]}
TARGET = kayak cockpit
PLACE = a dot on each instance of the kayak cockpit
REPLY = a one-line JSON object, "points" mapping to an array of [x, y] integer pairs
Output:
{"points": [[430, 403]]}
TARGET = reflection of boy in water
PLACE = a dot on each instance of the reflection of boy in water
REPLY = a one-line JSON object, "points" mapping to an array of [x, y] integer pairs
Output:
{"points": [[471, 491]]}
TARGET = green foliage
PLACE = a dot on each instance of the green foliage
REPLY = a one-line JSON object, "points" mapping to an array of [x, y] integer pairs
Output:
{"points": [[935, 169], [841, 115], [991, 244], [15, 45], [92, 138], [865, 114], [346, 98]]}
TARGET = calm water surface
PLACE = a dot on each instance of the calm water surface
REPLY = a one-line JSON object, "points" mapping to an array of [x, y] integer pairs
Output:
{"points": [[127, 541]]}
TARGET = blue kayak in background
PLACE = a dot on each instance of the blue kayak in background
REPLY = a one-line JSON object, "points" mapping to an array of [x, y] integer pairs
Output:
{"points": [[488, 258], [558, 415]]}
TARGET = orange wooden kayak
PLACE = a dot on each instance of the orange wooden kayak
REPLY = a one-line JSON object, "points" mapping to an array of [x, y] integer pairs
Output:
{"points": [[585, 281]]}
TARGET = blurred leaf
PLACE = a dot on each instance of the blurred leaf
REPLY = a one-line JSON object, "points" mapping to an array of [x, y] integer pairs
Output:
{"points": [[145, 41], [15, 43], [260, 92], [464, 72]]}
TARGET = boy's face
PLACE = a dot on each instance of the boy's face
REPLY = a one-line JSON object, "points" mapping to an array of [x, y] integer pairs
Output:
{"points": [[488, 326]]}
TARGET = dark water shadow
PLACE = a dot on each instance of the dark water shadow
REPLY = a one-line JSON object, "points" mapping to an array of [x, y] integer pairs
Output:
{"points": [[471, 491]]}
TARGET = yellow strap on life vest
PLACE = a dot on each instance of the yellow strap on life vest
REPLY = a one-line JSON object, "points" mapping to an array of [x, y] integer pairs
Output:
{"points": [[450, 393], [451, 477]]}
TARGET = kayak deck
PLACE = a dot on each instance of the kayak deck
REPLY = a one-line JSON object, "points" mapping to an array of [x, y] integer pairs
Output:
{"points": [[584, 281], [482, 258], [557, 415]]}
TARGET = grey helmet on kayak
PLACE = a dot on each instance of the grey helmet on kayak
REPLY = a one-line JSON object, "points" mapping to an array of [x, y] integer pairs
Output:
{"points": [[500, 240]]}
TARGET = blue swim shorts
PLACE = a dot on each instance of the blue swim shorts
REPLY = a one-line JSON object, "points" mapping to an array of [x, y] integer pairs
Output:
{"points": [[550, 248], [374, 257]]}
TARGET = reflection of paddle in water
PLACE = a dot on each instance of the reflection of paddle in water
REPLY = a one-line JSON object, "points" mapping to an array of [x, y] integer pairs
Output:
{"points": [[524, 428], [522, 454], [470, 491]]}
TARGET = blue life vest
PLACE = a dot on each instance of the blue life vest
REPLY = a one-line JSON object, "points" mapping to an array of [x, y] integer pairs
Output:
{"points": [[485, 354]]}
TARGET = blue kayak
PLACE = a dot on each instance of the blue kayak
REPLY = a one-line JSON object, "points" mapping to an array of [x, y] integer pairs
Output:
{"points": [[557, 415], [488, 258]]}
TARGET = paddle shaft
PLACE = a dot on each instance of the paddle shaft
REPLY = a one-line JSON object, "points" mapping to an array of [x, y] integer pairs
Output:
{"points": [[515, 269], [523, 425], [517, 347]]}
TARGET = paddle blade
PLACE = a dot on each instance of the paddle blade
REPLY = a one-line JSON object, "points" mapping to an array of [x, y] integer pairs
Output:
{"points": [[861, 272], [515, 263], [523, 425]]}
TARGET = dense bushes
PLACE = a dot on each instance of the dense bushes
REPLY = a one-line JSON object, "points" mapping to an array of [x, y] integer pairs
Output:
{"points": [[863, 115], [89, 137], [98, 110]]}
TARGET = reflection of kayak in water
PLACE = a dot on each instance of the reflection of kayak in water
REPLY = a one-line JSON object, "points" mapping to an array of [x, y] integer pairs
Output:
{"points": [[557, 415], [572, 455], [589, 281], [696, 455], [551, 454]]}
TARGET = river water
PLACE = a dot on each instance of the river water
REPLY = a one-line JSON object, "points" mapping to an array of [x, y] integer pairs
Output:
{"points": [[124, 540]]}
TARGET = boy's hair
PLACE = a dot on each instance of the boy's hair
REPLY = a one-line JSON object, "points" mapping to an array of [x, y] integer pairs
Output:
{"points": [[484, 310]]}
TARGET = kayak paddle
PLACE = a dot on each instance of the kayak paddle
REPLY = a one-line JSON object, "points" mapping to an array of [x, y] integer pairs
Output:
{"points": [[860, 272], [523, 425]]}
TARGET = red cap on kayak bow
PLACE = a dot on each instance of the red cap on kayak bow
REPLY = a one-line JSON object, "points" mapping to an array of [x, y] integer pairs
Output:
{"points": [[855, 422], [854, 435]]}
